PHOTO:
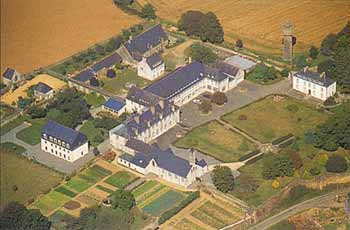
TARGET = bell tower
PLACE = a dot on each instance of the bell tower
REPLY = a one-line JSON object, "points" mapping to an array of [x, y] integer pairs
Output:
{"points": [[288, 41]]}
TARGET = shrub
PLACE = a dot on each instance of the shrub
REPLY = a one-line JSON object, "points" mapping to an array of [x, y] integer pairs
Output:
{"points": [[202, 53], [219, 98], [336, 164], [37, 112], [148, 12], [205, 107], [285, 72], [223, 178], [330, 101], [249, 155], [242, 117], [123, 200], [277, 166], [239, 43], [281, 139], [313, 52], [275, 184], [315, 171]]}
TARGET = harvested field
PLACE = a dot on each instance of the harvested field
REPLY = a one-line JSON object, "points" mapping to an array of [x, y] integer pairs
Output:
{"points": [[258, 22], [32, 32], [53, 82]]}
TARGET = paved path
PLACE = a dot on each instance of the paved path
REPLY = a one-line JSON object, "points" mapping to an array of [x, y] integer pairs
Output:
{"points": [[312, 203], [35, 152]]}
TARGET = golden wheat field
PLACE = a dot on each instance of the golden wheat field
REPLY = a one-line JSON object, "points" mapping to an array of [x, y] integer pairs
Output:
{"points": [[258, 22], [37, 33]]}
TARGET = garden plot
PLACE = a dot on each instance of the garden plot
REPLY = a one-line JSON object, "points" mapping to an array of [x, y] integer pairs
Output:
{"points": [[51, 201], [121, 179]]}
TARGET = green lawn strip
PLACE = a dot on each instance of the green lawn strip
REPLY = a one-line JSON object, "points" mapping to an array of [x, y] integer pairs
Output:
{"points": [[120, 179], [12, 148], [187, 224], [94, 100], [141, 200], [208, 220], [209, 208], [101, 170], [163, 202], [92, 175], [64, 190], [91, 132], [78, 184], [102, 188], [32, 134], [11, 125], [51, 201], [144, 188]]}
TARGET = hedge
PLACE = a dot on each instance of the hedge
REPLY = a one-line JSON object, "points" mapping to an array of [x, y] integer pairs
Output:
{"points": [[255, 159], [281, 139], [287, 143], [172, 212], [249, 155]]}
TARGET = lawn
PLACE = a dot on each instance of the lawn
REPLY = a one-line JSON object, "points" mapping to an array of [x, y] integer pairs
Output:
{"points": [[12, 147], [118, 85], [93, 134], [121, 179], [144, 188], [216, 141], [94, 174], [11, 125], [12, 168], [32, 134], [268, 120], [164, 202], [94, 100], [6, 111], [51, 201], [65, 191], [77, 184]]}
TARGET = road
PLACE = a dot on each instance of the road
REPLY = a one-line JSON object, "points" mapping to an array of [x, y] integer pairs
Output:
{"points": [[312, 203]]}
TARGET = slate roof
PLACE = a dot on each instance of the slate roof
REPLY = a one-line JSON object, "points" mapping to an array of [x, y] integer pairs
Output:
{"points": [[42, 88], [8, 74], [178, 80], [154, 61], [85, 75], [314, 77], [142, 97], [215, 74], [107, 62], [145, 41], [240, 62], [114, 104], [63, 133]]}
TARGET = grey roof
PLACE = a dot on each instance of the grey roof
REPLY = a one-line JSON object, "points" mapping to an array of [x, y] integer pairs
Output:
{"points": [[68, 135], [114, 104], [215, 74], [142, 97], [154, 61], [42, 88], [178, 80], [8, 74], [314, 77], [85, 75], [145, 41], [240, 62], [107, 62], [139, 146]]}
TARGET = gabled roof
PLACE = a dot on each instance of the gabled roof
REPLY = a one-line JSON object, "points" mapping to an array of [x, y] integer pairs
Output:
{"points": [[107, 62], [240, 62], [142, 97], [145, 41], [8, 74], [154, 61], [114, 104], [317, 78], [85, 75], [42, 88], [178, 80], [221, 71], [63, 133]]}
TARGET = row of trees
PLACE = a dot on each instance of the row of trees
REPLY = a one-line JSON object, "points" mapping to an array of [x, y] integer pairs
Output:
{"points": [[147, 11], [205, 26]]}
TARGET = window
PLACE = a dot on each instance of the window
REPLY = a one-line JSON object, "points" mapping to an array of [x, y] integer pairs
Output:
{"points": [[64, 155], [50, 138], [67, 145], [55, 140], [46, 148], [60, 154], [45, 142], [68, 158], [82, 153], [45, 136]]}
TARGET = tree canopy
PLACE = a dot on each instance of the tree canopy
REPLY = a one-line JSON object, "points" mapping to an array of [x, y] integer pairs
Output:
{"points": [[148, 12], [336, 164], [263, 73], [313, 52], [123, 200], [223, 179], [202, 54], [277, 166]]}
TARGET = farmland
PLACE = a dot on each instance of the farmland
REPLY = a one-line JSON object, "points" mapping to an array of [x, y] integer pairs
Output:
{"points": [[33, 31], [258, 22]]}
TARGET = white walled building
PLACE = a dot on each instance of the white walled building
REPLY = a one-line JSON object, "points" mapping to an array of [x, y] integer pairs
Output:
{"points": [[151, 67], [314, 84], [63, 142], [138, 100], [43, 92], [114, 106]]}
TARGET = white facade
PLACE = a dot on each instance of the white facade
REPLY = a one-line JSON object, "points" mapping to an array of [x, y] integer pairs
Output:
{"points": [[313, 89], [131, 106], [59, 149], [43, 96], [115, 112], [149, 73]]}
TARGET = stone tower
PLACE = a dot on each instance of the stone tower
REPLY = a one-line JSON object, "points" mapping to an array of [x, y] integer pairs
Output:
{"points": [[192, 156], [288, 41]]}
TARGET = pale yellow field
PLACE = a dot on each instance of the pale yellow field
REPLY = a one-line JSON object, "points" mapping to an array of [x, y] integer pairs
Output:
{"points": [[53, 82], [258, 22]]}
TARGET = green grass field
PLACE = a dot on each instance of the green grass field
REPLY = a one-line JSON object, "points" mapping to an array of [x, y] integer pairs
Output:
{"points": [[268, 120], [19, 172], [65, 191], [11, 125], [118, 84], [32, 134], [144, 188], [120, 179], [77, 184], [12, 147], [94, 100], [94, 174], [51, 201], [216, 141], [164, 202]]}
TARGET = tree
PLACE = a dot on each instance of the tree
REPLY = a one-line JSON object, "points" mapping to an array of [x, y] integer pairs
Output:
{"points": [[190, 22], [277, 166], [313, 52], [223, 178], [263, 73], [37, 112], [16, 216], [211, 29], [202, 54], [300, 62], [345, 31], [285, 73], [327, 67], [205, 107], [219, 98], [239, 43], [296, 159], [328, 44], [23, 103], [341, 63], [148, 12], [2, 85], [123, 200], [336, 164]]}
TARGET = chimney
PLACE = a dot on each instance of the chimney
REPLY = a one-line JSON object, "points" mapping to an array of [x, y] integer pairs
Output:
{"points": [[149, 123], [137, 119], [153, 110], [130, 37], [323, 75], [161, 103], [192, 156], [189, 60]]}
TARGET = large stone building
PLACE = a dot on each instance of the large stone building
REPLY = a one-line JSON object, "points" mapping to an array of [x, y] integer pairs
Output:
{"points": [[63, 142], [315, 84], [151, 67]]}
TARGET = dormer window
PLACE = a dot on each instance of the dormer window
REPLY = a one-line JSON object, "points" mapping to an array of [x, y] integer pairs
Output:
{"points": [[67, 146], [55, 140], [59, 142], [45, 136], [50, 138], [63, 144]]}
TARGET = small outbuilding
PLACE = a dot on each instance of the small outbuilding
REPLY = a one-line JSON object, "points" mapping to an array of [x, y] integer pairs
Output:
{"points": [[114, 106], [242, 63], [11, 76], [43, 91]]}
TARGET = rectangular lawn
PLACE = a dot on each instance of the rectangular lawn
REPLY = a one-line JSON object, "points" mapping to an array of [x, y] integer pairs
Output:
{"points": [[164, 202], [32, 134], [77, 184], [51, 201], [120, 179], [217, 141], [268, 119], [144, 188]]}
